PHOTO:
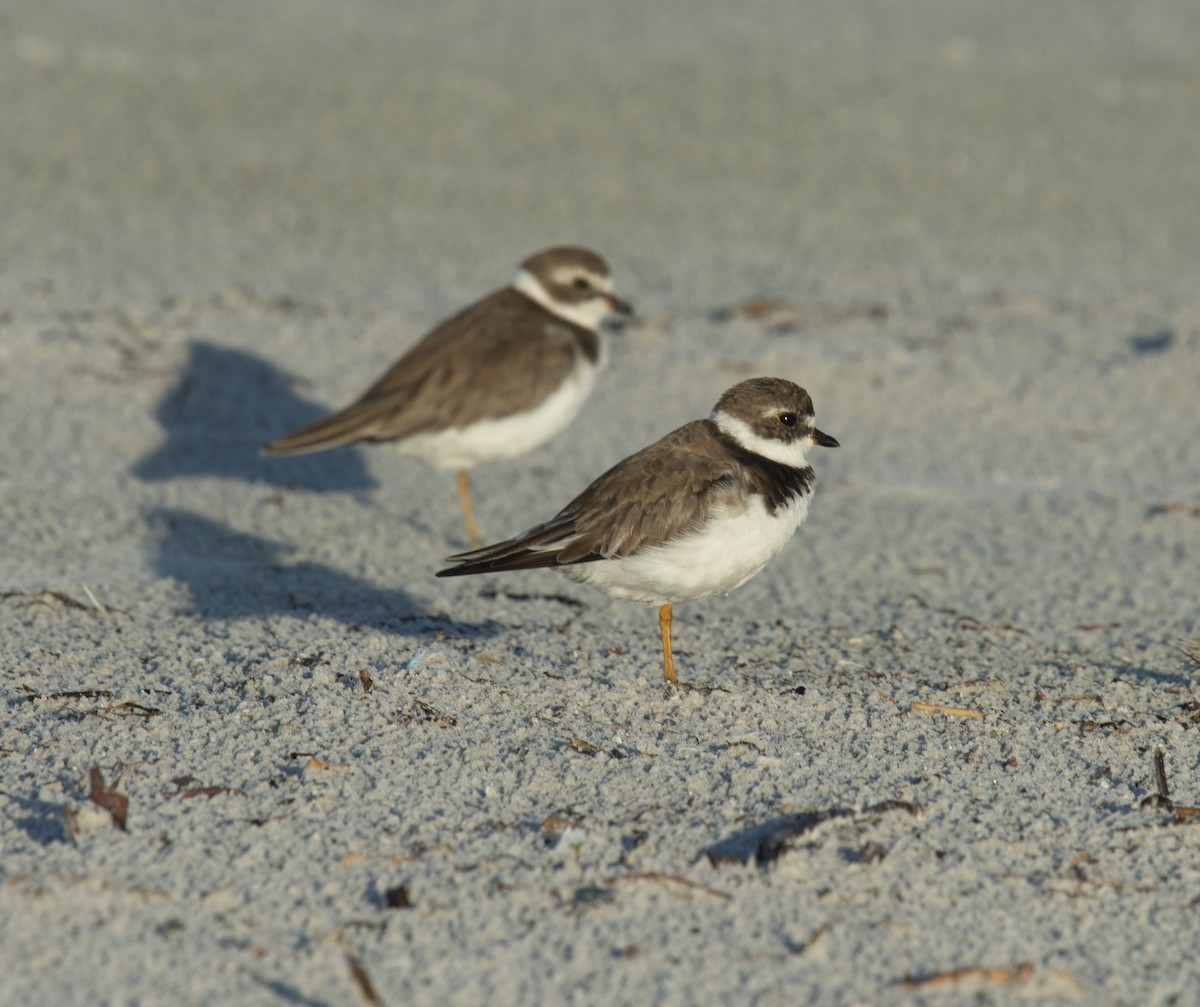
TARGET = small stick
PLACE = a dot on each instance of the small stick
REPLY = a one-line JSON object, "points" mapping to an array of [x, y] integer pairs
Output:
{"points": [[673, 878], [1160, 776], [1011, 974], [954, 711], [362, 980], [94, 600]]}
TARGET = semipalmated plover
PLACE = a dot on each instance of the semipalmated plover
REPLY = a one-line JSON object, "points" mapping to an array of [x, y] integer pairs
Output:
{"points": [[493, 381], [697, 513]]}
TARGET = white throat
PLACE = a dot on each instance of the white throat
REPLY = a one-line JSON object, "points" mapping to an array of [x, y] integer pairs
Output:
{"points": [[794, 454], [587, 314]]}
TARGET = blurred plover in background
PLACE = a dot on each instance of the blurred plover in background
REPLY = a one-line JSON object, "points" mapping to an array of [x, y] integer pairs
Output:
{"points": [[494, 381]]}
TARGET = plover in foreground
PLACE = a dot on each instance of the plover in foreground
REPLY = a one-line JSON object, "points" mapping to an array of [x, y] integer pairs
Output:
{"points": [[494, 381], [697, 513]]}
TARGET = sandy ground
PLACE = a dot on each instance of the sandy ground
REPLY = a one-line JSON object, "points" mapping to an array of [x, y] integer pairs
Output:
{"points": [[922, 768]]}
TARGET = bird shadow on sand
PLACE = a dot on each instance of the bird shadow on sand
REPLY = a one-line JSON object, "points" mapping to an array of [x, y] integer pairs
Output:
{"points": [[226, 404], [42, 821], [234, 575], [768, 841]]}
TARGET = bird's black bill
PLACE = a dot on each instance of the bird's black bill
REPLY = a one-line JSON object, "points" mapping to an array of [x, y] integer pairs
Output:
{"points": [[619, 307], [824, 440]]}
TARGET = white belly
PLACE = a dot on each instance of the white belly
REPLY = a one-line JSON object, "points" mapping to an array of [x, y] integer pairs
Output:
{"points": [[491, 440], [723, 555]]}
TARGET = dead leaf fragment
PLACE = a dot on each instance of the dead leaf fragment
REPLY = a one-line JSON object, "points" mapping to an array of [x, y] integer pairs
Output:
{"points": [[558, 823], [109, 799]]}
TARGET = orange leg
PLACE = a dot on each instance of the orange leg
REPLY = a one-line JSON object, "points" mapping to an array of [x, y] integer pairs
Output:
{"points": [[664, 627], [463, 483]]}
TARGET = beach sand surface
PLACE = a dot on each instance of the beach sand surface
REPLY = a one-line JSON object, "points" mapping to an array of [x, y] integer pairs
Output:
{"points": [[254, 752]]}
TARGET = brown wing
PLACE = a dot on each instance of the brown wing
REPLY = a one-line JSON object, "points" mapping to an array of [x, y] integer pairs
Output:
{"points": [[662, 491], [493, 343]]}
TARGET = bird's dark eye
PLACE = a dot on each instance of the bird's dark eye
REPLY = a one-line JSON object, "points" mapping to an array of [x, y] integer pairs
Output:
{"points": [[787, 419], [581, 283]]}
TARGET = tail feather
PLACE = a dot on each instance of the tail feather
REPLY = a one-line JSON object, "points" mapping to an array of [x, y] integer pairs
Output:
{"points": [[346, 427], [541, 546], [531, 560]]}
